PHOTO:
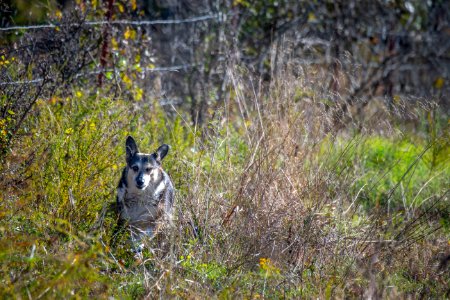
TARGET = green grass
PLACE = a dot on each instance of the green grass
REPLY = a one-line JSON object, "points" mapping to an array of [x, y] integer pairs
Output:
{"points": [[401, 172]]}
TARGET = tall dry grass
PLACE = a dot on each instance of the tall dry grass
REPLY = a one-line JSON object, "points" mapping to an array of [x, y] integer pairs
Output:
{"points": [[272, 207]]}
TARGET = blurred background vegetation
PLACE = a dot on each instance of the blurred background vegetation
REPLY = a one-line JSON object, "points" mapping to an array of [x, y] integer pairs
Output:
{"points": [[310, 147]]}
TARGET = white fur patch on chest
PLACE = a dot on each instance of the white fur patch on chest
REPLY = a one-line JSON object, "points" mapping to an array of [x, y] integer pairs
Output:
{"points": [[159, 189], [156, 173]]}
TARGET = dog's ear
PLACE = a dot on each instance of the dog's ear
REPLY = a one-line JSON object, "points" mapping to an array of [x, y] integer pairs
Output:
{"points": [[131, 148], [162, 152]]}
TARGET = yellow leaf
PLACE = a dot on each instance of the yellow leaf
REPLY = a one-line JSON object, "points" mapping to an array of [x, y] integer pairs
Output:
{"points": [[139, 93], [69, 131], [121, 8], [241, 2], [396, 99], [439, 83], [114, 44], [129, 34], [40, 102], [311, 17], [127, 80], [58, 14], [53, 100], [138, 68], [133, 4]]}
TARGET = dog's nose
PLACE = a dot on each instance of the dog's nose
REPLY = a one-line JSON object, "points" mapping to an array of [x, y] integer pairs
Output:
{"points": [[140, 182]]}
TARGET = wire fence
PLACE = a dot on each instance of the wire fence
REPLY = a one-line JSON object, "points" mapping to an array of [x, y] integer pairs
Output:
{"points": [[116, 71], [175, 68], [219, 17]]}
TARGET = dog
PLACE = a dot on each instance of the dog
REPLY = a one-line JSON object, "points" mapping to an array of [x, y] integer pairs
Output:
{"points": [[145, 193]]}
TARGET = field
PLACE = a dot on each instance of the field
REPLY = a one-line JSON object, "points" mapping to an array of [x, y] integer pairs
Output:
{"points": [[278, 195]]}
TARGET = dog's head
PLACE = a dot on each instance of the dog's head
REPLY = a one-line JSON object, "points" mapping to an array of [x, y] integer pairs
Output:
{"points": [[144, 169]]}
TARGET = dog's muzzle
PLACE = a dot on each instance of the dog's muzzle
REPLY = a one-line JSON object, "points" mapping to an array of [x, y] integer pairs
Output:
{"points": [[140, 183]]}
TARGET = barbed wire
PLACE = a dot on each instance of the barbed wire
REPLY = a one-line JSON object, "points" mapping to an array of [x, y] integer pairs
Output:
{"points": [[219, 16], [22, 82], [175, 68]]}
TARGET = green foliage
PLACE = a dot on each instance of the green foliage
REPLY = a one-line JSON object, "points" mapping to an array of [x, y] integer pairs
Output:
{"points": [[212, 271], [401, 172], [395, 172], [82, 162]]}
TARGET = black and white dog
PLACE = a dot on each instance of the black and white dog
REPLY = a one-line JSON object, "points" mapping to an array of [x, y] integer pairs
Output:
{"points": [[145, 193]]}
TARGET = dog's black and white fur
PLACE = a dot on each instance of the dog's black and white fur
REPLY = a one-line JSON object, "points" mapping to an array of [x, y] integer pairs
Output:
{"points": [[145, 193]]}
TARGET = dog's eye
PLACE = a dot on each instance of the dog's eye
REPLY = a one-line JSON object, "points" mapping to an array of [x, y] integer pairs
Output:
{"points": [[135, 168], [148, 170]]}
